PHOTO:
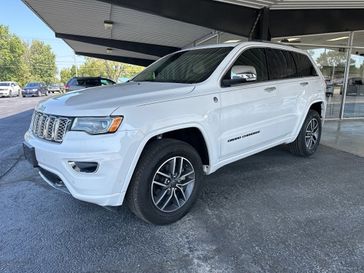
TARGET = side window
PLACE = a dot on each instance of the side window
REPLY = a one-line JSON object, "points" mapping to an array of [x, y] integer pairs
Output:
{"points": [[104, 82], [72, 82], [92, 82], [304, 65], [281, 64], [254, 57]]}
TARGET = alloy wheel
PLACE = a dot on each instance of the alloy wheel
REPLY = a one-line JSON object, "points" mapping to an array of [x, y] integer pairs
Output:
{"points": [[312, 133], [172, 184]]}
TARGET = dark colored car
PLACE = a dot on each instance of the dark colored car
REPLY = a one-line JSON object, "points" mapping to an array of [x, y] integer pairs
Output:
{"points": [[329, 88], [77, 83], [56, 87], [35, 89], [355, 87]]}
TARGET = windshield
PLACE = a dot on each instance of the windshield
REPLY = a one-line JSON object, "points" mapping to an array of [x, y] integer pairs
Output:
{"points": [[32, 84], [4, 84], [191, 66]]}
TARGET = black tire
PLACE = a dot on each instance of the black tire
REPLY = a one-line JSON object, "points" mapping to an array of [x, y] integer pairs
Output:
{"points": [[299, 146], [140, 194]]}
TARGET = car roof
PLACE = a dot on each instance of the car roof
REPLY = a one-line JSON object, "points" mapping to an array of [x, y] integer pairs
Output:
{"points": [[265, 44], [89, 78]]}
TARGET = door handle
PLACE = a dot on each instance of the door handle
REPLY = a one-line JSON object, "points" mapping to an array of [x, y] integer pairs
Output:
{"points": [[304, 83], [270, 89]]}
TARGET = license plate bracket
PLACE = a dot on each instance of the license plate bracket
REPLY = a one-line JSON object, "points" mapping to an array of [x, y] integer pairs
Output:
{"points": [[29, 153]]}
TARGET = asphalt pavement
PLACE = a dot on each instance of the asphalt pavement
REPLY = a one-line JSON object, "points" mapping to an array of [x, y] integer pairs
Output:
{"points": [[272, 212]]}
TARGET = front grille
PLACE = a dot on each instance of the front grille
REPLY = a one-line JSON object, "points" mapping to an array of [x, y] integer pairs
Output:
{"points": [[49, 127]]}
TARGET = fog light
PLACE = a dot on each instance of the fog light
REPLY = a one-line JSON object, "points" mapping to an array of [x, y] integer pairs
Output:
{"points": [[84, 167]]}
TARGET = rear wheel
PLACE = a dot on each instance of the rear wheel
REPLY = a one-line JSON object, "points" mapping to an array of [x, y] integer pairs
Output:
{"points": [[166, 182], [309, 137]]}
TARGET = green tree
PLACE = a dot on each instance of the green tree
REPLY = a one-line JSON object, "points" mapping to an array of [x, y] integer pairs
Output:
{"points": [[12, 48], [42, 62], [332, 63], [67, 73], [92, 68], [113, 70]]}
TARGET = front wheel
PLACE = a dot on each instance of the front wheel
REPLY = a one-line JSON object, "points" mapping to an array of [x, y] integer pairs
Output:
{"points": [[166, 182], [309, 137]]}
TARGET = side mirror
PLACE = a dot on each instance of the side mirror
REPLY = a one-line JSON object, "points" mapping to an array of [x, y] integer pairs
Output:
{"points": [[240, 74]]}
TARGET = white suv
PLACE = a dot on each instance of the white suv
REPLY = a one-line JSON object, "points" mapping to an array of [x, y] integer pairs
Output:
{"points": [[150, 140]]}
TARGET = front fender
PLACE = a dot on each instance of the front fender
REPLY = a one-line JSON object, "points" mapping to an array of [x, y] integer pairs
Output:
{"points": [[161, 131]]}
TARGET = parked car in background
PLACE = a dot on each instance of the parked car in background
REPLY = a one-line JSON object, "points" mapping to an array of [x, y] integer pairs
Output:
{"points": [[77, 83], [329, 88], [35, 89], [56, 87], [355, 87], [9, 89]]}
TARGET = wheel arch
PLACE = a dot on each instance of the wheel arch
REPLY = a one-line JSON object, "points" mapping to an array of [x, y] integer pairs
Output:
{"points": [[317, 105], [192, 135], [168, 132]]}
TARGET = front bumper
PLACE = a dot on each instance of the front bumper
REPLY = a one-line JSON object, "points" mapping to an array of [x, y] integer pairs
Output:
{"points": [[113, 152], [4, 93], [29, 93]]}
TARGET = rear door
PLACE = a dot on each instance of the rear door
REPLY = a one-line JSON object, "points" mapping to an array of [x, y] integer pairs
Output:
{"points": [[283, 72]]}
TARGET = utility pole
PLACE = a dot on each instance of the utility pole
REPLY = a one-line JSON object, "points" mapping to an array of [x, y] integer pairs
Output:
{"points": [[74, 59]]}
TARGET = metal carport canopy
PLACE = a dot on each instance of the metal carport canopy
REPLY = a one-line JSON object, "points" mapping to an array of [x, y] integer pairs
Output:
{"points": [[144, 30]]}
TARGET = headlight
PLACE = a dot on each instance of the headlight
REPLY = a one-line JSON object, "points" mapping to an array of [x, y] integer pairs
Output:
{"points": [[96, 126]]}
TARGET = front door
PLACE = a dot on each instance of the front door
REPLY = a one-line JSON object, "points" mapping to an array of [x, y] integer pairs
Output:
{"points": [[248, 110]]}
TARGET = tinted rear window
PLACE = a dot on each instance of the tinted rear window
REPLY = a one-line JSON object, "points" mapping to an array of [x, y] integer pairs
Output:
{"points": [[85, 82], [89, 82], [33, 84], [304, 65]]}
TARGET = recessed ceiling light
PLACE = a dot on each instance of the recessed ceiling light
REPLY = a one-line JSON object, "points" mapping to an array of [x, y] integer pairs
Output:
{"points": [[231, 41], [338, 39], [108, 24], [292, 39]]}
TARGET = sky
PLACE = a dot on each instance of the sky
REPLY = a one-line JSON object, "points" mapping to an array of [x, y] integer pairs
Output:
{"points": [[25, 24]]}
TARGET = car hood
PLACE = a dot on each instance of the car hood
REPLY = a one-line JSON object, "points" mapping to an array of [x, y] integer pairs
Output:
{"points": [[102, 101], [31, 88]]}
